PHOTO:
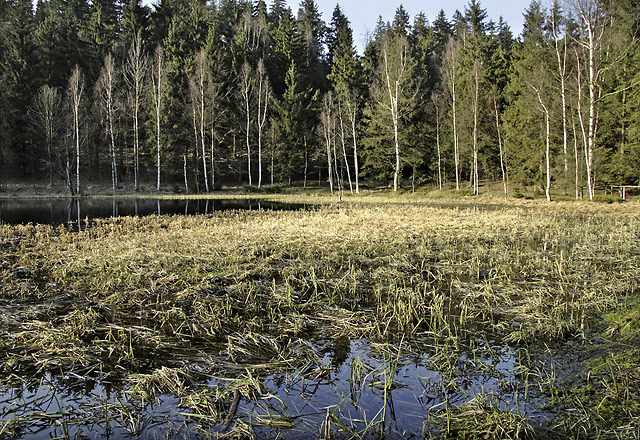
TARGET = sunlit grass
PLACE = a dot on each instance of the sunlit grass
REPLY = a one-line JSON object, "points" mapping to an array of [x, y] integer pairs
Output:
{"points": [[255, 287]]}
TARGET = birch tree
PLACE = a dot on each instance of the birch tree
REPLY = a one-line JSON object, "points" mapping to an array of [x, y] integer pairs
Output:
{"points": [[476, 73], [539, 91], [106, 87], [450, 68], [393, 88], [159, 91], [560, 47], [46, 108], [326, 122], [438, 101], [494, 94], [341, 115], [262, 90], [594, 20], [351, 109], [136, 67], [245, 87], [76, 87], [197, 85]]}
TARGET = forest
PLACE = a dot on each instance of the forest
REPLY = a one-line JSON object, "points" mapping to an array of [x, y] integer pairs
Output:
{"points": [[190, 95]]}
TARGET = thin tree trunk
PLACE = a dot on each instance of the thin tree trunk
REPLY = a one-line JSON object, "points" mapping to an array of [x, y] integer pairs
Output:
{"points": [[68, 168], [502, 167], [393, 107], [344, 148], [114, 166], [213, 163], [575, 148], [158, 106], [184, 172], [592, 114], [195, 147], [196, 142], [476, 110], [247, 139], [76, 123], [260, 158], [263, 94], [273, 150], [202, 136], [306, 162], [135, 145], [456, 150], [548, 142], [335, 166], [135, 69], [439, 155], [49, 148], [329, 161], [326, 125], [548, 148], [76, 88], [562, 71], [586, 140], [565, 138], [355, 149]]}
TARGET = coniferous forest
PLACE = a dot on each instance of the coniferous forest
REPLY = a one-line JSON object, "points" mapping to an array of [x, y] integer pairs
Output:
{"points": [[189, 95]]}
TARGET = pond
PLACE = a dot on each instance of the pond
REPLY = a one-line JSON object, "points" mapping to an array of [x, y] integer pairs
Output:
{"points": [[71, 212], [350, 388]]}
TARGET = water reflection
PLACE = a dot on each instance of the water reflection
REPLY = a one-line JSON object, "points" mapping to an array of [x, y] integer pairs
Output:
{"points": [[382, 390], [74, 212]]}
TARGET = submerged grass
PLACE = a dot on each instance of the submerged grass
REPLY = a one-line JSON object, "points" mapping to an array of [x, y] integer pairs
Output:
{"points": [[132, 298]]}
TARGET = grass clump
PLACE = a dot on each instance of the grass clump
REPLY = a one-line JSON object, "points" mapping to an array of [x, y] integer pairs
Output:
{"points": [[481, 418]]}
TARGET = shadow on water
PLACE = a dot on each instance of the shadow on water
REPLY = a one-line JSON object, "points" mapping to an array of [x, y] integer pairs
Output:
{"points": [[72, 212]]}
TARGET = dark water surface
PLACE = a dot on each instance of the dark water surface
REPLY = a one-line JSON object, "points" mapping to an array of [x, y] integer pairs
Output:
{"points": [[291, 405], [59, 211]]}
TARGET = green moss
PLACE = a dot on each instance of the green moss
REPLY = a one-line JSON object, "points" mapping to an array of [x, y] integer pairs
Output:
{"points": [[625, 320]]}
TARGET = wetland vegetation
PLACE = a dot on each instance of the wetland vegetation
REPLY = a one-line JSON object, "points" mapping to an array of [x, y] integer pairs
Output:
{"points": [[373, 318]]}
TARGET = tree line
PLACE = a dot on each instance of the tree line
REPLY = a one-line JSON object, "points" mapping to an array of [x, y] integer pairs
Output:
{"points": [[191, 95]]}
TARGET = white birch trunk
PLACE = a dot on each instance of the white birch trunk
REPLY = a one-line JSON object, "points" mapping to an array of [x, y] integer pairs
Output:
{"points": [[393, 107], [75, 89], [476, 111], [438, 146], [184, 172], [158, 90], [136, 69], [352, 113], [561, 57], [343, 143], [202, 127], [263, 91], [585, 138], [502, 166]]}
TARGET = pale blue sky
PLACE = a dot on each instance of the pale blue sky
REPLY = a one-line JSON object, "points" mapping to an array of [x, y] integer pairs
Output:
{"points": [[363, 14]]}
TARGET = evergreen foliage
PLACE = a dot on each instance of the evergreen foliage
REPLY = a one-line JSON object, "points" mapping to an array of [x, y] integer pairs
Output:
{"points": [[506, 88]]}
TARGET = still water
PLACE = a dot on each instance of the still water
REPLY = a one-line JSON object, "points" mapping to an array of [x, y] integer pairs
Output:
{"points": [[73, 212]]}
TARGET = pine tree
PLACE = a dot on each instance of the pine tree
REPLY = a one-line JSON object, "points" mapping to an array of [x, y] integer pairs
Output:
{"points": [[441, 33], [18, 82], [525, 122], [293, 119]]}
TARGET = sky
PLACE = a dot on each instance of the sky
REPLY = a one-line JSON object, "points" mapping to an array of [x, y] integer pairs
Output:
{"points": [[363, 14]]}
